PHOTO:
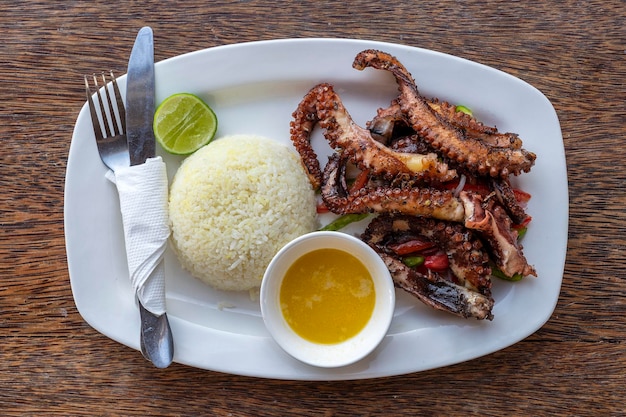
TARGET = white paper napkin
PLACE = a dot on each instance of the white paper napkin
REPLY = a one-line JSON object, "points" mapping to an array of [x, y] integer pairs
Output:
{"points": [[143, 192]]}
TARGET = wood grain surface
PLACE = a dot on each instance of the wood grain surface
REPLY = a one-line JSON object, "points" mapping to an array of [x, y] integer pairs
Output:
{"points": [[53, 363]]}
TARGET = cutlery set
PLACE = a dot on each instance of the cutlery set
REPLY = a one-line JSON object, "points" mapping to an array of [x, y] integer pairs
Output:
{"points": [[126, 145]]}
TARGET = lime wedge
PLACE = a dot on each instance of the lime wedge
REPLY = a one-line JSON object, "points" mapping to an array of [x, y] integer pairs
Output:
{"points": [[183, 123]]}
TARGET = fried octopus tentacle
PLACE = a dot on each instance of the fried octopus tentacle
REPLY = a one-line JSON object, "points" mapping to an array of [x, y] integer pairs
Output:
{"points": [[470, 298], [488, 219], [494, 225], [322, 105], [439, 293], [473, 128], [301, 128], [478, 156], [388, 119], [357, 143], [468, 260], [415, 201], [506, 197]]}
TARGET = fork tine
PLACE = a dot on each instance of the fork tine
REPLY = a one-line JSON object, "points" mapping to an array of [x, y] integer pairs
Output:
{"points": [[107, 96], [105, 118], [97, 128], [118, 126], [113, 148], [120, 103]]}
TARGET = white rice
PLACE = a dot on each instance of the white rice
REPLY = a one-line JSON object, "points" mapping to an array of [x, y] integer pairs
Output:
{"points": [[233, 204]]}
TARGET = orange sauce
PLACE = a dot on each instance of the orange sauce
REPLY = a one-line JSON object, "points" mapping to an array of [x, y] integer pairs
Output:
{"points": [[327, 296]]}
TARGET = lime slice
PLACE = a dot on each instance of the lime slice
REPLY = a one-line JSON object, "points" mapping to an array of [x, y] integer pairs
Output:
{"points": [[183, 123]]}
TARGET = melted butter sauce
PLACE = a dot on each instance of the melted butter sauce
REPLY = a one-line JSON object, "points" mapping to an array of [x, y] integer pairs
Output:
{"points": [[327, 296]]}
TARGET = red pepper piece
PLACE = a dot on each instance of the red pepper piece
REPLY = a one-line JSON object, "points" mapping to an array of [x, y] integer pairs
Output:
{"points": [[321, 207], [523, 224], [437, 262], [411, 246], [360, 181], [521, 196]]}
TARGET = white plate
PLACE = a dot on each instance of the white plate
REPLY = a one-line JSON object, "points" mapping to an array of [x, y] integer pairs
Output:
{"points": [[254, 88]]}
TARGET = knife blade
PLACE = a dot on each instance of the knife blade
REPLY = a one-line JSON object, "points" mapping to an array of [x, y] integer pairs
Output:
{"points": [[156, 339], [140, 98]]}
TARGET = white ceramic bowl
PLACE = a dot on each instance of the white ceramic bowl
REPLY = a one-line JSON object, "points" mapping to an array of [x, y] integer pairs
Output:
{"points": [[327, 355]]}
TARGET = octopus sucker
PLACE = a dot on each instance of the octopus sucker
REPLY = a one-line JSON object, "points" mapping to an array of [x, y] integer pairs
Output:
{"points": [[478, 156], [469, 297]]}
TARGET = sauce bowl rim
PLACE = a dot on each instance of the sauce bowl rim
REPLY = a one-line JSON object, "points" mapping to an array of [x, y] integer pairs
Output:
{"points": [[327, 355]]}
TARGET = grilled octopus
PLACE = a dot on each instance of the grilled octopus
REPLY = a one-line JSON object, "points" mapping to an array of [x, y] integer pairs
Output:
{"points": [[469, 296], [388, 119], [322, 105], [471, 209], [479, 156], [411, 151]]}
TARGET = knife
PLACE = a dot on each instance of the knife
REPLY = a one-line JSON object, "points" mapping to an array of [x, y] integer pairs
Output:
{"points": [[140, 98], [156, 336]]}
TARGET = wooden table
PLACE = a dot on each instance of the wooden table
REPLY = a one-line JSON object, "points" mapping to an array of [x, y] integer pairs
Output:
{"points": [[53, 363]]}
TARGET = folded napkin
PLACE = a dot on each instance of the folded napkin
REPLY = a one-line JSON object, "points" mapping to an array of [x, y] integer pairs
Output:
{"points": [[143, 191]]}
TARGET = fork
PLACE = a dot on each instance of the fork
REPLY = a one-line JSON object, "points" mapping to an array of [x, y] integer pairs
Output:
{"points": [[111, 132], [156, 341]]}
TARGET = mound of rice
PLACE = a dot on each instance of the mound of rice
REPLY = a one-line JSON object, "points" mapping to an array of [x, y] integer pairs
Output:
{"points": [[233, 204]]}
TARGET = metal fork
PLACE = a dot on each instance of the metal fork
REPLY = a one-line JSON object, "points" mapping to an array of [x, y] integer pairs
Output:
{"points": [[110, 131]]}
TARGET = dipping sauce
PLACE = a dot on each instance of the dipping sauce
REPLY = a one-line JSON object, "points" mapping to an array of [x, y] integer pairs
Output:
{"points": [[327, 296]]}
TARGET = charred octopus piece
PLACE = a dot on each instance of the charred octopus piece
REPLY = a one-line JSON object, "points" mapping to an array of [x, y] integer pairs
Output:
{"points": [[322, 105], [473, 128], [485, 217], [389, 121], [469, 296], [427, 202], [494, 225], [304, 120], [478, 155], [506, 196]]}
